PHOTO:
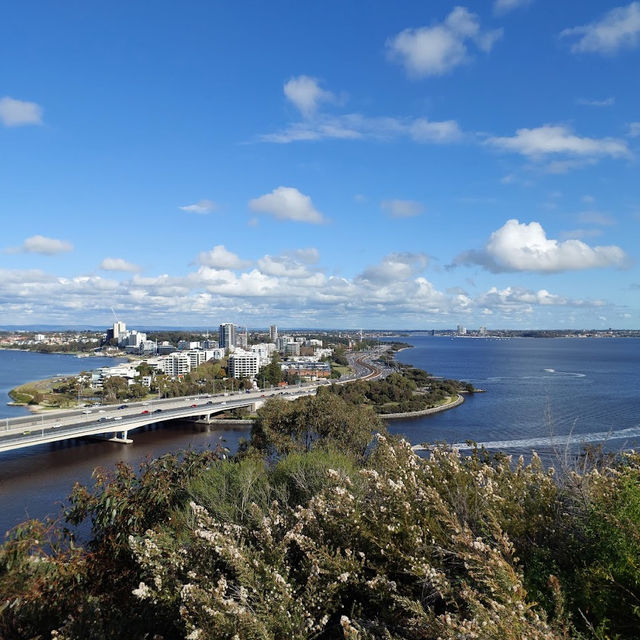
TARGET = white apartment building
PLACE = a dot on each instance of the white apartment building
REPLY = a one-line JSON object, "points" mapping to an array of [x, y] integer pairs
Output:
{"points": [[186, 345], [175, 364], [136, 338], [282, 341], [243, 364], [196, 357], [265, 351], [214, 354]]}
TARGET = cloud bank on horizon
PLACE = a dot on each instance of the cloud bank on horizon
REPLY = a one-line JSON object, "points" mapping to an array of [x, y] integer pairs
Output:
{"points": [[424, 167]]}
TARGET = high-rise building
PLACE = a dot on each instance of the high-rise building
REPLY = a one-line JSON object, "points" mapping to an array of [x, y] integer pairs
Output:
{"points": [[119, 328], [273, 333], [227, 337]]}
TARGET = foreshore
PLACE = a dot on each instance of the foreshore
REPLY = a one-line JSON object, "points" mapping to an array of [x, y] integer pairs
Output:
{"points": [[423, 412]]}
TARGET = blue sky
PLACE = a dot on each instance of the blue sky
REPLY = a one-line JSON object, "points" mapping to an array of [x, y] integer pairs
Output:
{"points": [[363, 164]]}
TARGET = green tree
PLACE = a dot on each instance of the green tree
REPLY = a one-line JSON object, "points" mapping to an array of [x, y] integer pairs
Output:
{"points": [[270, 374], [283, 426], [115, 388]]}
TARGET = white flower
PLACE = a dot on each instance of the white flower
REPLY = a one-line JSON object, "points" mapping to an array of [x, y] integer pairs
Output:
{"points": [[142, 591]]}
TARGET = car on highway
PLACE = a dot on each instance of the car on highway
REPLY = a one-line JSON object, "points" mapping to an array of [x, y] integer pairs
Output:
{"points": [[145, 411], [122, 406], [193, 406], [157, 411]]}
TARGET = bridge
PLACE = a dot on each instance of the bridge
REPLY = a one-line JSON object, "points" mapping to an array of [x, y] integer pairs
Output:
{"points": [[115, 423]]}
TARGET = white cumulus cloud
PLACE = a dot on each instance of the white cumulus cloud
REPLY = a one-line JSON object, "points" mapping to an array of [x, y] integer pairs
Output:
{"points": [[394, 268], [202, 206], [287, 203], [525, 247], [306, 94], [618, 29], [557, 139], [119, 264], [402, 208], [42, 245], [16, 113], [221, 258], [439, 48]]}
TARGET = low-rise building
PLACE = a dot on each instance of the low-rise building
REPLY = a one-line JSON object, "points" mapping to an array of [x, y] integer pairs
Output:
{"points": [[187, 345], [307, 370], [292, 349]]}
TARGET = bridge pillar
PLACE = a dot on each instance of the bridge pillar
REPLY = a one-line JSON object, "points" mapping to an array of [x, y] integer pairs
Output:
{"points": [[122, 438]]}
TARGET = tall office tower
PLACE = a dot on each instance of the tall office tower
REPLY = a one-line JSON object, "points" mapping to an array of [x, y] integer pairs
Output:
{"points": [[119, 328], [227, 336], [273, 333]]}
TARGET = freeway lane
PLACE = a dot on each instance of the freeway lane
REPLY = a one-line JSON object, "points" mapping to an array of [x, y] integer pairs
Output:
{"points": [[28, 431], [54, 419], [111, 420]]}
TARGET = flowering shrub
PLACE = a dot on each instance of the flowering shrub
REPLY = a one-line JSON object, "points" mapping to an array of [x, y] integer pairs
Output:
{"points": [[376, 553], [325, 539]]}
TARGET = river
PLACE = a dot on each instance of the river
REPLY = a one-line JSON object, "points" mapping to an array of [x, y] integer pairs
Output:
{"points": [[537, 392]]}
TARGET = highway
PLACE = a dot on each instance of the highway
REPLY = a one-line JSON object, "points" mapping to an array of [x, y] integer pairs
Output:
{"points": [[116, 421], [16, 433]]}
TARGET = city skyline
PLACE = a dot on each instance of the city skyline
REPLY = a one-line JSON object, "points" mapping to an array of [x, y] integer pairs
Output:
{"points": [[321, 166]]}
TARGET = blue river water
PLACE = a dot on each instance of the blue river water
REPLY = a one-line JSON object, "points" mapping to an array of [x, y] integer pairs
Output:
{"points": [[539, 392], [18, 367]]}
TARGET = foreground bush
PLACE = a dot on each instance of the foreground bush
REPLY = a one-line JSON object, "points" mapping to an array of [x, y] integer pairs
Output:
{"points": [[325, 539]]}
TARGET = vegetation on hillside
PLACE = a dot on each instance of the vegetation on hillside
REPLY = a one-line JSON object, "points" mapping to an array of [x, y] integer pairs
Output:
{"points": [[409, 389], [325, 527]]}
